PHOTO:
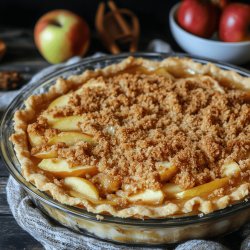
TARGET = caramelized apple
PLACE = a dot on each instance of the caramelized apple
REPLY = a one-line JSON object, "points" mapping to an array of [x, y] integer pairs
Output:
{"points": [[69, 123], [62, 168], [148, 196], [203, 189], [60, 101], [166, 170], [93, 83], [171, 189], [82, 186], [108, 183], [46, 154], [35, 139], [230, 169], [94, 201], [70, 138]]}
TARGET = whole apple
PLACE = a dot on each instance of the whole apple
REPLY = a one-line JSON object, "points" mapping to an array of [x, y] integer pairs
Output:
{"points": [[235, 23], [198, 17], [61, 34]]}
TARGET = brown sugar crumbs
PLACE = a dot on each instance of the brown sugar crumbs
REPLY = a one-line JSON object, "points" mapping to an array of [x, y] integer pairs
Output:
{"points": [[140, 119]]}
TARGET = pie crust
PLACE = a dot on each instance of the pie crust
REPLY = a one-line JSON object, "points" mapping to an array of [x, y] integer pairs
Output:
{"points": [[215, 80]]}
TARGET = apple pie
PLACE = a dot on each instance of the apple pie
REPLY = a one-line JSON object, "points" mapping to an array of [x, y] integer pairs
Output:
{"points": [[141, 138]]}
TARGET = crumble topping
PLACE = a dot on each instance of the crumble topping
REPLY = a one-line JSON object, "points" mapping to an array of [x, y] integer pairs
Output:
{"points": [[140, 119], [38, 127]]}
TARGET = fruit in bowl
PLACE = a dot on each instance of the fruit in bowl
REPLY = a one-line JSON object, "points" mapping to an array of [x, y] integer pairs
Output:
{"points": [[198, 17], [61, 34], [212, 48], [204, 18], [235, 23]]}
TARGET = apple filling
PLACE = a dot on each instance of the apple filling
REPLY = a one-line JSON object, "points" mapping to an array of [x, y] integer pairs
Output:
{"points": [[146, 138]]}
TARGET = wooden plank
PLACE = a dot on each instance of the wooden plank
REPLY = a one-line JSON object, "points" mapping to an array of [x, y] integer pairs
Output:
{"points": [[4, 207], [3, 169], [13, 237]]}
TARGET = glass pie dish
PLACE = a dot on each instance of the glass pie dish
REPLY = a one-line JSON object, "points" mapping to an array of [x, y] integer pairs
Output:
{"points": [[129, 230]]}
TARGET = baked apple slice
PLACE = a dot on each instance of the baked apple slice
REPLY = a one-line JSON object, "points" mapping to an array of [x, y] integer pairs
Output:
{"points": [[94, 201], [70, 138], [162, 72], [148, 196], [92, 83], [49, 117], [138, 69], [68, 123], [203, 189], [108, 183], [60, 101], [35, 139], [171, 189], [46, 154], [64, 99], [166, 170], [62, 168], [230, 169], [82, 186]]}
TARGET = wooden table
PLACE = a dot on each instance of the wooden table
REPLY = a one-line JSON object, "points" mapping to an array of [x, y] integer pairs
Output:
{"points": [[22, 56]]}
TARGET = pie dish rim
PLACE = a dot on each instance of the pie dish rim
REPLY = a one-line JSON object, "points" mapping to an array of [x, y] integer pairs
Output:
{"points": [[91, 215]]}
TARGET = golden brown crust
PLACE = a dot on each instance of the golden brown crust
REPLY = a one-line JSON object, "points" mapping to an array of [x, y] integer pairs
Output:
{"points": [[211, 148]]}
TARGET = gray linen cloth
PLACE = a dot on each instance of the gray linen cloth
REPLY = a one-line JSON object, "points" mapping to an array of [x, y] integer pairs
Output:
{"points": [[55, 237]]}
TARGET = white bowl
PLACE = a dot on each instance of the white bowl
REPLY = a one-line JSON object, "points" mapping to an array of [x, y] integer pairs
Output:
{"points": [[235, 53]]}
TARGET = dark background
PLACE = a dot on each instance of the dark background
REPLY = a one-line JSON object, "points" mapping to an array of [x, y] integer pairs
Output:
{"points": [[24, 13], [152, 14]]}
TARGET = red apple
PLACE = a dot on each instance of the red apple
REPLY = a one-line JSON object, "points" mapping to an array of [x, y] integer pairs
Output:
{"points": [[198, 17], [235, 23], [61, 34]]}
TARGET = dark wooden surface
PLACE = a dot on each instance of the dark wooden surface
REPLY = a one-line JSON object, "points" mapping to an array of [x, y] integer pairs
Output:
{"points": [[23, 57]]}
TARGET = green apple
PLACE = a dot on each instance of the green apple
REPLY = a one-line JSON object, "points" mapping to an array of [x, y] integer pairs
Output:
{"points": [[61, 34]]}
